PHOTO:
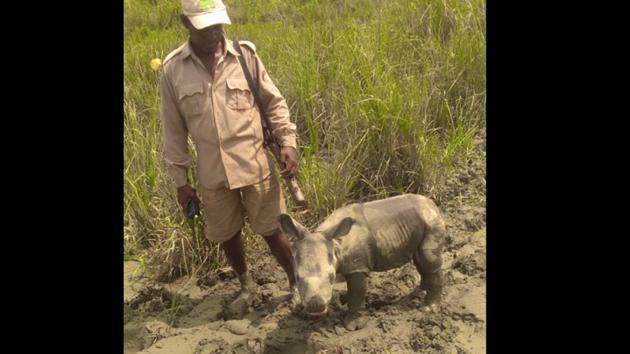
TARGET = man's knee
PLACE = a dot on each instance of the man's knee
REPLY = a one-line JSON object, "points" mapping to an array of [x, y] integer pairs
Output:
{"points": [[233, 239], [272, 235]]}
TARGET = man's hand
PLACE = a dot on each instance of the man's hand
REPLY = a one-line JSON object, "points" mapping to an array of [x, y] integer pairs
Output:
{"points": [[289, 159], [185, 194]]}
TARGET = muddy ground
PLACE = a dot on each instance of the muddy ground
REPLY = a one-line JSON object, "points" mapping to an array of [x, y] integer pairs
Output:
{"points": [[186, 316]]}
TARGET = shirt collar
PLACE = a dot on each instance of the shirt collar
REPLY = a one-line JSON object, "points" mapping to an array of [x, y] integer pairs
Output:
{"points": [[187, 50], [230, 47]]}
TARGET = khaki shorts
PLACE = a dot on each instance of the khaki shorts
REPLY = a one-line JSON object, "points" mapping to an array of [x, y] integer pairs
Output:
{"points": [[224, 210]]}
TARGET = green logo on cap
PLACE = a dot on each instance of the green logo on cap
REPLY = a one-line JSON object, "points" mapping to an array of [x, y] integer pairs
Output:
{"points": [[206, 4]]}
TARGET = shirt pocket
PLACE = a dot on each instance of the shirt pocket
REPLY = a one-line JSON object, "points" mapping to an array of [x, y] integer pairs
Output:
{"points": [[191, 99], [239, 96]]}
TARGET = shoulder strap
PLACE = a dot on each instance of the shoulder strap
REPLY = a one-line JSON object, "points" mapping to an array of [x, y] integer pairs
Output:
{"points": [[248, 77], [253, 88]]}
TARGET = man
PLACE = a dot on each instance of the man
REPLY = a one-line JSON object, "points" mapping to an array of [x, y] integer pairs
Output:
{"points": [[204, 94]]}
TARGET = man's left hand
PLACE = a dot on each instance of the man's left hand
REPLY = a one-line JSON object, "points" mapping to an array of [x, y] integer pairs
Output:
{"points": [[288, 157]]}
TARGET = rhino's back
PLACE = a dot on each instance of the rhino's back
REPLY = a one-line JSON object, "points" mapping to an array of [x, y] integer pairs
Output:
{"points": [[386, 234], [397, 228]]}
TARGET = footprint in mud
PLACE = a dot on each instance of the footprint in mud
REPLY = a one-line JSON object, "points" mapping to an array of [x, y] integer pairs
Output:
{"points": [[434, 333], [208, 310], [211, 346], [156, 300], [237, 327], [471, 265], [296, 334]]}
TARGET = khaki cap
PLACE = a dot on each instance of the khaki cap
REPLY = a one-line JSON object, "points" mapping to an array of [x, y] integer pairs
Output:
{"points": [[205, 13]]}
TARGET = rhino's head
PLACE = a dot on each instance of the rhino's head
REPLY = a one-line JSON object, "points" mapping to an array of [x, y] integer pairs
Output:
{"points": [[314, 262]]}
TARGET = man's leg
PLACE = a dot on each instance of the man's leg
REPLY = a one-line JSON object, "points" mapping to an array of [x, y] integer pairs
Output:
{"points": [[264, 203], [235, 253], [224, 216], [281, 250]]}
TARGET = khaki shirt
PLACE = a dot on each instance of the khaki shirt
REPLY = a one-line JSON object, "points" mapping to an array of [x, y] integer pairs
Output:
{"points": [[220, 116]]}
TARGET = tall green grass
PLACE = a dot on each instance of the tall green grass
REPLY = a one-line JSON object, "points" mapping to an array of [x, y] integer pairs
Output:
{"points": [[386, 96]]}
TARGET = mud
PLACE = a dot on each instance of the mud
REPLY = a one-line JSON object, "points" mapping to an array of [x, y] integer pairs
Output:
{"points": [[187, 316]]}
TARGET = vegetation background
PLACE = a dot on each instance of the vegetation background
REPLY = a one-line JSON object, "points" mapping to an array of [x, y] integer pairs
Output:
{"points": [[387, 97]]}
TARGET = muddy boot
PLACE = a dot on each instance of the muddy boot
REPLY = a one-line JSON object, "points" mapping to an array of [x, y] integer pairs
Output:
{"points": [[434, 286], [239, 306]]}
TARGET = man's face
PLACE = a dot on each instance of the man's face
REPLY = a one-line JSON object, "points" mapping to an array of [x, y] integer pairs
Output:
{"points": [[204, 40]]}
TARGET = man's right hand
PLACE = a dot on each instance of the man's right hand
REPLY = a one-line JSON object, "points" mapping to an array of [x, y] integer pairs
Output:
{"points": [[185, 194]]}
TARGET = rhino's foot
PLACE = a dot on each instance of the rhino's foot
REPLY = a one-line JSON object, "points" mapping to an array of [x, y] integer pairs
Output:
{"points": [[433, 283], [355, 320], [433, 299], [433, 308]]}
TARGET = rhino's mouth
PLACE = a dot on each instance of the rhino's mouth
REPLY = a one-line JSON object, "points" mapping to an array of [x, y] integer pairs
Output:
{"points": [[316, 314]]}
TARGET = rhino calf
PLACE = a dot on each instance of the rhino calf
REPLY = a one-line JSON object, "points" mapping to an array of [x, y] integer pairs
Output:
{"points": [[364, 237]]}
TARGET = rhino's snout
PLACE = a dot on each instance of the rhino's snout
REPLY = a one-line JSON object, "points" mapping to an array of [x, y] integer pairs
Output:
{"points": [[316, 305]]}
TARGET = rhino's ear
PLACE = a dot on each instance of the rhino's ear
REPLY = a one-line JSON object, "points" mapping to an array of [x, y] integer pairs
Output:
{"points": [[341, 229], [290, 226]]}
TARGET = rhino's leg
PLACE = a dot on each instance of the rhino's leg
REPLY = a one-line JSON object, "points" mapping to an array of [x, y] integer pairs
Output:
{"points": [[428, 261], [423, 274], [432, 278], [357, 289]]}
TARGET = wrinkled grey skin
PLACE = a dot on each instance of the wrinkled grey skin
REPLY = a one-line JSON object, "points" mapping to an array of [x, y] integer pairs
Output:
{"points": [[364, 237]]}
